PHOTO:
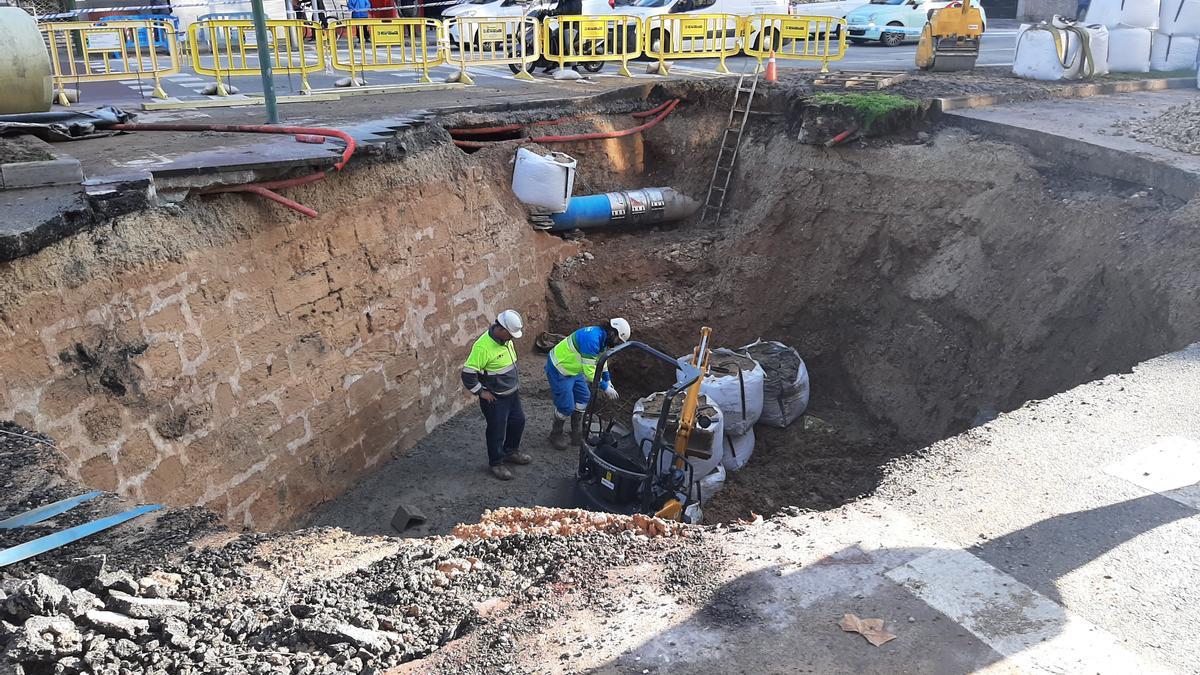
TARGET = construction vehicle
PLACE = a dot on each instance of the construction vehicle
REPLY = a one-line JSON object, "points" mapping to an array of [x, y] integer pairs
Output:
{"points": [[950, 39], [616, 474]]}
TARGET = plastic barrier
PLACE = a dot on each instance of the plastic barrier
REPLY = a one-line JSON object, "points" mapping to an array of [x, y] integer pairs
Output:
{"points": [[145, 38], [359, 45], [692, 36], [206, 39], [592, 39], [512, 41], [235, 49], [82, 51], [803, 38]]}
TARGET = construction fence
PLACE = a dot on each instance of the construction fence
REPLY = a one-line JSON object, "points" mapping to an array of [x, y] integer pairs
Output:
{"points": [[225, 46]]}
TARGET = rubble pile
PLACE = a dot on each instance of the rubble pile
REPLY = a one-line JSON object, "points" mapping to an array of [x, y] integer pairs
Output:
{"points": [[212, 612], [1178, 128], [564, 522]]}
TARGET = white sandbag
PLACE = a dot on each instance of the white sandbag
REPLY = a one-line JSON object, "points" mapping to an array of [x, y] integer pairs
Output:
{"points": [[1125, 13], [785, 382], [710, 484], [1179, 17], [735, 384], [1045, 53], [1104, 13], [709, 433], [1098, 43], [544, 181], [738, 450], [1174, 52], [1129, 50]]}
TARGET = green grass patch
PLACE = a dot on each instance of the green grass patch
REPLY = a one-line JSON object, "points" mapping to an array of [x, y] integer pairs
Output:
{"points": [[872, 107]]}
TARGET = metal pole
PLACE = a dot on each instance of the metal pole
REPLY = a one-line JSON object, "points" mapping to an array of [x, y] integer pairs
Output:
{"points": [[264, 60]]}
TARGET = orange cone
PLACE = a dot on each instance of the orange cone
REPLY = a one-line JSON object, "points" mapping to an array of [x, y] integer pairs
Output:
{"points": [[772, 73]]}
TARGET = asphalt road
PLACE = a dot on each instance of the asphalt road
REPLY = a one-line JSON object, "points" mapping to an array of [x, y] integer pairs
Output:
{"points": [[997, 50]]}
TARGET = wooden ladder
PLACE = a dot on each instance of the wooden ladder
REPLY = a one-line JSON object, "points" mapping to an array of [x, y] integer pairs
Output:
{"points": [[731, 140]]}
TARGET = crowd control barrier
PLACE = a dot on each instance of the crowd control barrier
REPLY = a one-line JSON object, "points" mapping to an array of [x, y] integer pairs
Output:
{"points": [[512, 41], [693, 36], [804, 38], [84, 51], [235, 49], [146, 38], [360, 45], [592, 39]]}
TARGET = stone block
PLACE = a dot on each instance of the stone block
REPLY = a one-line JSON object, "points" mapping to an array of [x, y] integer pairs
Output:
{"points": [[164, 479], [137, 454], [300, 291], [146, 608], [42, 173], [99, 473], [364, 390], [169, 320], [116, 625]]}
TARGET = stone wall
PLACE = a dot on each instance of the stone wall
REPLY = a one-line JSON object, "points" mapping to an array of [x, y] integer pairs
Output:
{"points": [[1044, 10], [232, 354]]}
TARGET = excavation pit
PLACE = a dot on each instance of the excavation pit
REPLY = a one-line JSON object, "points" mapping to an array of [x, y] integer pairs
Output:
{"points": [[285, 372]]}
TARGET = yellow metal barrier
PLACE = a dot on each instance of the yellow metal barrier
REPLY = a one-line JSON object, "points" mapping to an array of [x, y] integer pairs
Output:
{"points": [[235, 49], [82, 51], [805, 38], [692, 36], [592, 39], [512, 41], [359, 45]]}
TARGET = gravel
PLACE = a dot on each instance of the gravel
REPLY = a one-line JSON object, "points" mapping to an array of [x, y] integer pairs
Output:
{"points": [[1176, 129]]}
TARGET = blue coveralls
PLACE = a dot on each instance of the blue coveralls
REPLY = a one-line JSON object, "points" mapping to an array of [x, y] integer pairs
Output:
{"points": [[570, 367]]}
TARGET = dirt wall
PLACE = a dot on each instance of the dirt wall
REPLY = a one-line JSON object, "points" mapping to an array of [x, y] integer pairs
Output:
{"points": [[231, 354]]}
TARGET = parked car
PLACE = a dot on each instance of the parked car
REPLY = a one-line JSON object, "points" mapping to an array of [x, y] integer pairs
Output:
{"points": [[511, 9], [647, 8], [893, 22], [835, 8]]}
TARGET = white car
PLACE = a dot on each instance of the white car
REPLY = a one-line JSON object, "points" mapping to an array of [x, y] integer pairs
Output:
{"points": [[647, 8], [511, 9], [836, 9]]}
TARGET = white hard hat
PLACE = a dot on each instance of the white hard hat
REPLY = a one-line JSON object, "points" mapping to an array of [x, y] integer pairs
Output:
{"points": [[511, 322], [622, 327]]}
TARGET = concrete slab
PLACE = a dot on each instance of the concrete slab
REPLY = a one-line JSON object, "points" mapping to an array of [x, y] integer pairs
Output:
{"points": [[1084, 136], [1169, 467]]}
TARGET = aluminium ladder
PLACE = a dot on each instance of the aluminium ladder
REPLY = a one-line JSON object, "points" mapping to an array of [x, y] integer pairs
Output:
{"points": [[731, 140]]}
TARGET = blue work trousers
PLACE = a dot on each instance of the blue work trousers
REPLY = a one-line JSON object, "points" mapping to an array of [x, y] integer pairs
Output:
{"points": [[571, 393], [505, 424]]}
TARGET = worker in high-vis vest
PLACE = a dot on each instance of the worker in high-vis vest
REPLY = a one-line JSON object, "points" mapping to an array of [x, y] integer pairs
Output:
{"points": [[571, 366], [490, 373]]}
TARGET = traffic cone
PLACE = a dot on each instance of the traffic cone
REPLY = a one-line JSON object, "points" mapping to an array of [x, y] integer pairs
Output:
{"points": [[772, 73]]}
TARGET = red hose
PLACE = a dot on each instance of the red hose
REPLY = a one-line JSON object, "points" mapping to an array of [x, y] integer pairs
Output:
{"points": [[263, 189], [664, 110], [840, 137], [652, 111]]}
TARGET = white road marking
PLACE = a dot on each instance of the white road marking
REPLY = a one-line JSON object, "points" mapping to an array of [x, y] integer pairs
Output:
{"points": [[1169, 467], [1013, 619]]}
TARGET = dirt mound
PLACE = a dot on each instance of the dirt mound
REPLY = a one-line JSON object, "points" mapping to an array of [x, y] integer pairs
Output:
{"points": [[564, 522], [1178, 128]]}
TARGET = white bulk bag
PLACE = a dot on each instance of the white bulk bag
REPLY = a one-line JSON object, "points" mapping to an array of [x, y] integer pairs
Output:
{"points": [[1124, 13], [1105, 12], [544, 181], [1098, 43], [738, 450], [785, 382], [1174, 52], [738, 392], [1179, 17], [710, 437], [1046, 53], [710, 484], [1129, 50]]}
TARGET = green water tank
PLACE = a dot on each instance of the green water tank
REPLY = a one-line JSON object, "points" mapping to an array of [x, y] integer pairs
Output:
{"points": [[25, 84]]}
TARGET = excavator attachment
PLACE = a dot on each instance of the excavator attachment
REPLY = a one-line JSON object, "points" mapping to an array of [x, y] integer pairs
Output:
{"points": [[950, 39]]}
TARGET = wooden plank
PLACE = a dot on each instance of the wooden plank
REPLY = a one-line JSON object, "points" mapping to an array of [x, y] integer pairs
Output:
{"points": [[859, 80]]}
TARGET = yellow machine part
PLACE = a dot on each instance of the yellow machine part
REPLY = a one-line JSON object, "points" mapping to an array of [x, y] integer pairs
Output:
{"points": [[950, 39]]}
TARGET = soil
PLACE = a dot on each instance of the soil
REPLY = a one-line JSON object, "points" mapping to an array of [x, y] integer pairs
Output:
{"points": [[20, 149]]}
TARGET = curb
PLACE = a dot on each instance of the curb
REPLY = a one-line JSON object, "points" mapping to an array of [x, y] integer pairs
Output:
{"points": [[946, 104]]}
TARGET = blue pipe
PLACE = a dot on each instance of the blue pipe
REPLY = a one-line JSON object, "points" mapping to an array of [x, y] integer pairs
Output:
{"points": [[647, 206], [48, 511], [52, 541]]}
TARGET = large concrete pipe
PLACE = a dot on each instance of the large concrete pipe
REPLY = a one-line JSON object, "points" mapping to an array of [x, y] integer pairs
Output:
{"points": [[634, 207], [25, 84]]}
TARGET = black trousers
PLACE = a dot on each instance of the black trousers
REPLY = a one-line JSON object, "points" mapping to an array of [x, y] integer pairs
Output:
{"points": [[505, 424]]}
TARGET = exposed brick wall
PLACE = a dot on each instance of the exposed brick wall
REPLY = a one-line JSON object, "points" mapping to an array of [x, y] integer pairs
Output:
{"points": [[258, 363]]}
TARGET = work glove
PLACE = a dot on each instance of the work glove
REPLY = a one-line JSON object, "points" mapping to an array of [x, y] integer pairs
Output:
{"points": [[611, 392]]}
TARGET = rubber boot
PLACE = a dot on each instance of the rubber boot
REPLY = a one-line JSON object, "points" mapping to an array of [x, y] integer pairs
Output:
{"points": [[576, 424], [558, 440]]}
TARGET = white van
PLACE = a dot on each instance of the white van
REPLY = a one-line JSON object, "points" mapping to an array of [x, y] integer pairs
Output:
{"points": [[648, 8]]}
